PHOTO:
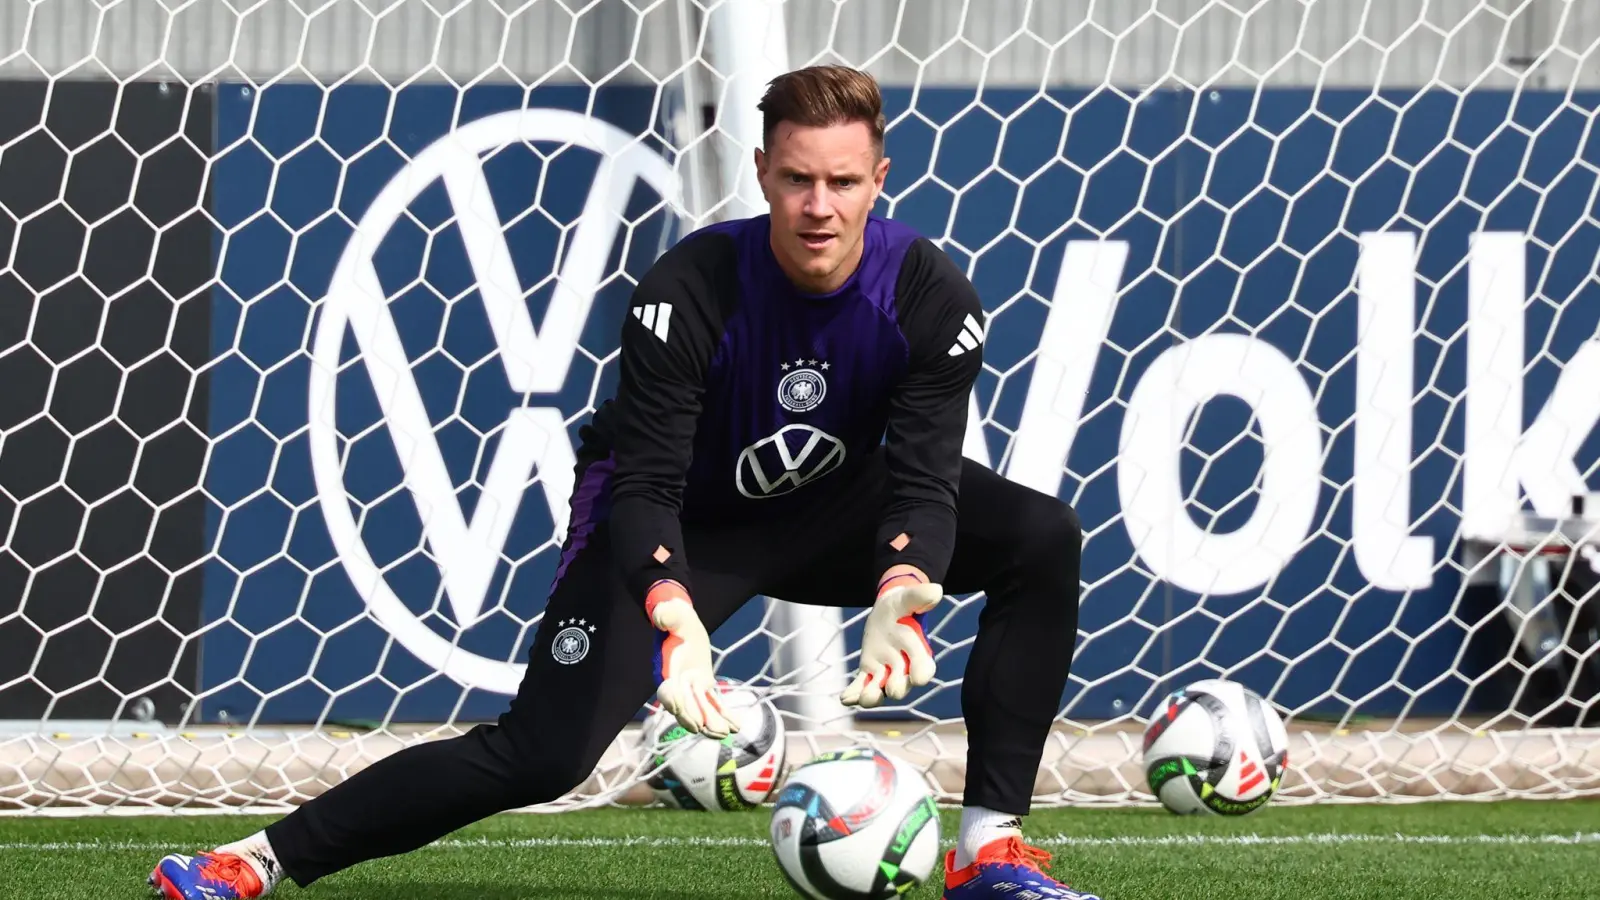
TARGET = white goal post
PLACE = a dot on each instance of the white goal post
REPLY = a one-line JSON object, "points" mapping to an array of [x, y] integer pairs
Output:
{"points": [[304, 302]]}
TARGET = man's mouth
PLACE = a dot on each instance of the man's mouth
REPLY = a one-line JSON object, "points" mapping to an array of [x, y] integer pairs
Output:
{"points": [[816, 240]]}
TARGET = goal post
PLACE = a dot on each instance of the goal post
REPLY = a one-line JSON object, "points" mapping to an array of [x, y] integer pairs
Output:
{"points": [[303, 306]]}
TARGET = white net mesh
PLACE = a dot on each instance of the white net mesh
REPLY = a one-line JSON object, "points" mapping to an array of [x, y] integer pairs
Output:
{"points": [[304, 303]]}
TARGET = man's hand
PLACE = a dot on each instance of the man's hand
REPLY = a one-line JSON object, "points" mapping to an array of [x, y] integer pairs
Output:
{"points": [[688, 685], [895, 655]]}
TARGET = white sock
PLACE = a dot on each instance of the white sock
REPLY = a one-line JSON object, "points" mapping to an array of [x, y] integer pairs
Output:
{"points": [[257, 851], [979, 826]]}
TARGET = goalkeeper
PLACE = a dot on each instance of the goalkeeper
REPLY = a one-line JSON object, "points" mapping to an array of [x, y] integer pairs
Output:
{"points": [[789, 421]]}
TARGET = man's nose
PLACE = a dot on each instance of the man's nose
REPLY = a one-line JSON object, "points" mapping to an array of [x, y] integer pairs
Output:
{"points": [[818, 204]]}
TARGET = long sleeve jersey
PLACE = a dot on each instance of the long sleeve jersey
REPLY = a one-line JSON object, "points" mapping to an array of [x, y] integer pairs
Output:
{"points": [[741, 396]]}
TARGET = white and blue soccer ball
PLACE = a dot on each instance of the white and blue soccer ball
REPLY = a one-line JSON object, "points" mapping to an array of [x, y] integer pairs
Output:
{"points": [[1215, 748], [689, 771], [855, 823]]}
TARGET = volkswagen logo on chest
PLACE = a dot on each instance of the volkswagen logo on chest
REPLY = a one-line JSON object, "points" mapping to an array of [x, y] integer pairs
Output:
{"points": [[792, 458]]}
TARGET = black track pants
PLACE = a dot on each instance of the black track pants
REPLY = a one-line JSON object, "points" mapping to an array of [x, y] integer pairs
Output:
{"points": [[1020, 546]]}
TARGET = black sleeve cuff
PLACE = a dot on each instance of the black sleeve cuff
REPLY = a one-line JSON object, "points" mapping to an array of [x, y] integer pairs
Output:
{"points": [[640, 531]]}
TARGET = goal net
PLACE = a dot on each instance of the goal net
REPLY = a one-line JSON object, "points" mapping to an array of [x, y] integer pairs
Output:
{"points": [[304, 302]]}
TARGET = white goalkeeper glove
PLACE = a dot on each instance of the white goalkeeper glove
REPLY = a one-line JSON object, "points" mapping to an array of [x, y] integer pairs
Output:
{"points": [[688, 684], [895, 655]]}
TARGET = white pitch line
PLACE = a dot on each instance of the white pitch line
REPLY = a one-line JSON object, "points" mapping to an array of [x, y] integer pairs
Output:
{"points": [[1059, 840], [1246, 840]]}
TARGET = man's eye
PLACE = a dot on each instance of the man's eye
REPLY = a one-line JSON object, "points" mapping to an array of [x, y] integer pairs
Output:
{"points": [[844, 182], [797, 179]]}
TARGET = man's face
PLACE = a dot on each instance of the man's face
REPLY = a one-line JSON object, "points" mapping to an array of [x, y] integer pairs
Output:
{"points": [[820, 184]]}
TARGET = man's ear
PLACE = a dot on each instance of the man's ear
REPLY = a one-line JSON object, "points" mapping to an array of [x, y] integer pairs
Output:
{"points": [[760, 173], [879, 173]]}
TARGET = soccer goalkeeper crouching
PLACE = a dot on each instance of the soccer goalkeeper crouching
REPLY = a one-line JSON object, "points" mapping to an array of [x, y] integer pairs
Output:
{"points": [[789, 422]]}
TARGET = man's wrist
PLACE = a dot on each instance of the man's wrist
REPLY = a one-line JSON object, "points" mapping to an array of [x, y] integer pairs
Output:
{"points": [[661, 591], [900, 576]]}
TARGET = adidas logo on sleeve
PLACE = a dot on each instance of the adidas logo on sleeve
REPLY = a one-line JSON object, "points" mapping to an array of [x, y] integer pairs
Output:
{"points": [[655, 317], [970, 337]]}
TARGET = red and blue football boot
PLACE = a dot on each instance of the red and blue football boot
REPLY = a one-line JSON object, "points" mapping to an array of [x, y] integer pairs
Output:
{"points": [[206, 876], [1006, 868]]}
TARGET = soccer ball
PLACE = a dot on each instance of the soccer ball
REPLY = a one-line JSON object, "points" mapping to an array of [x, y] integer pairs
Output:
{"points": [[738, 772], [1215, 748], [855, 823]]}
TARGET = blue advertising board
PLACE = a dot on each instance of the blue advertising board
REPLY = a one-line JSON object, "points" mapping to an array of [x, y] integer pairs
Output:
{"points": [[1236, 329]]}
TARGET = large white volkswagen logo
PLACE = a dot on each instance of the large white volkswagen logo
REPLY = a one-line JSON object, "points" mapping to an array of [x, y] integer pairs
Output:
{"points": [[794, 456], [535, 361]]}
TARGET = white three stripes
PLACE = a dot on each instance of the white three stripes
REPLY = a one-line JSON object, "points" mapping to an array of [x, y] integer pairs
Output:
{"points": [[971, 336], [654, 316]]}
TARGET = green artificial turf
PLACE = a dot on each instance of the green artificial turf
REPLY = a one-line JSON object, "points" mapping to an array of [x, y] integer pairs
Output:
{"points": [[1546, 850]]}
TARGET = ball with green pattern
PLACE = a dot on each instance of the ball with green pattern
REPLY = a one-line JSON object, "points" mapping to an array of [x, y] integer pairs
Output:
{"points": [[738, 772], [1215, 748], [855, 824]]}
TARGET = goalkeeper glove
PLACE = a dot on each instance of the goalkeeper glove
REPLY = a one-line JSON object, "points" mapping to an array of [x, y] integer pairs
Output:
{"points": [[688, 684], [895, 655]]}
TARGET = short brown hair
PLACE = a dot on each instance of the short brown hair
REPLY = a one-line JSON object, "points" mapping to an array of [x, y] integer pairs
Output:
{"points": [[820, 96]]}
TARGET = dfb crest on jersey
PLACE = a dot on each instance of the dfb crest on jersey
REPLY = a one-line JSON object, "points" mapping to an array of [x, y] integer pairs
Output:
{"points": [[572, 641], [795, 456], [802, 389]]}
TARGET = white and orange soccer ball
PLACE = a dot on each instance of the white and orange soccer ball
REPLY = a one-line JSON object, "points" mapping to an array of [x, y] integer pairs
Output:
{"points": [[738, 772], [1215, 748]]}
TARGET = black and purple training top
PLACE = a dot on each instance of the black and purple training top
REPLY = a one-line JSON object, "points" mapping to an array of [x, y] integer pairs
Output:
{"points": [[741, 396]]}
